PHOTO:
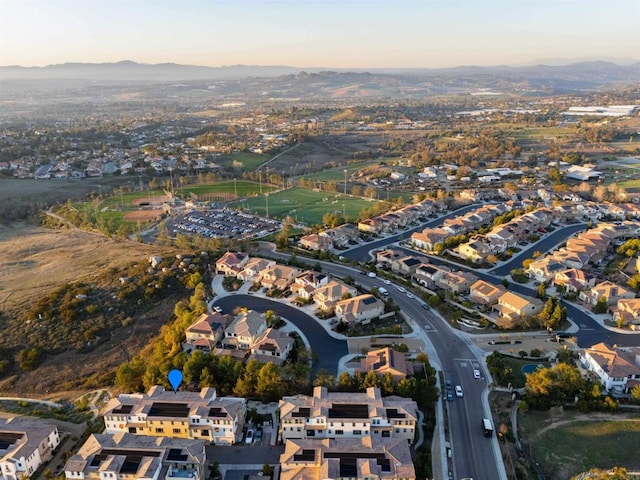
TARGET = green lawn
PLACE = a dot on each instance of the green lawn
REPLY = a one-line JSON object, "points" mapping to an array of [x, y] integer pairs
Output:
{"points": [[249, 161], [583, 444], [305, 205], [243, 188]]}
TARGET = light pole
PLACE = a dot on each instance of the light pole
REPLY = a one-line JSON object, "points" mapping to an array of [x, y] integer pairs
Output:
{"points": [[235, 188], [266, 197], [260, 172], [345, 181]]}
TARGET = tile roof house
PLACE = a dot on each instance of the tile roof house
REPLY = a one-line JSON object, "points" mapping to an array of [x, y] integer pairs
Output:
{"points": [[126, 456], [627, 311], [347, 458], [571, 259], [327, 296], [206, 331], [25, 444], [485, 293], [515, 307], [385, 258], [456, 282], [618, 369], [279, 276], [428, 238], [253, 269], [245, 329], [231, 263], [475, 250], [371, 225], [428, 274], [544, 269], [313, 241], [308, 282], [610, 291], [359, 309], [574, 279], [160, 413], [406, 265], [347, 414], [386, 360], [272, 346], [342, 235]]}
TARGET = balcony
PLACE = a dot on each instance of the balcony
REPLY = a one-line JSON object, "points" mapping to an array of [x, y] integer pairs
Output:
{"points": [[180, 474]]}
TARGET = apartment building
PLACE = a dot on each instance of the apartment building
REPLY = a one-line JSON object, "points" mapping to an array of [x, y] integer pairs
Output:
{"points": [[190, 415], [124, 456], [347, 415]]}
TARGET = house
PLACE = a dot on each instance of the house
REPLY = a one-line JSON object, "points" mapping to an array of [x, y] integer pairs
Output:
{"points": [[371, 225], [406, 265], [515, 307], [361, 308], [428, 238], [253, 269], [231, 263], [25, 444], [618, 369], [347, 415], [342, 235], [386, 360], [308, 282], [476, 250], [456, 282], [313, 241], [574, 280], [245, 329], [347, 458], [327, 296], [485, 293], [272, 346], [571, 259], [206, 331], [545, 269], [385, 258], [627, 312], [428, 274], [610, 291], [195, 415], [279, 276], [126, 456]]}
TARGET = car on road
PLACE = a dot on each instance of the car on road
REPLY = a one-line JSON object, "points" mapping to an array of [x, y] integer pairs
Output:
{"points": [[449, 397], [476, 374], [386, 282], [372, 274], [410, 295], [402, 289], [425, 306], [447, 385], [249, 438], [459, 392], [217, 309]]}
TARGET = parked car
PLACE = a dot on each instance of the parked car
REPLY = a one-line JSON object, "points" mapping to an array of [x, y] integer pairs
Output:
{"points": [[258, 438], [372, 274], [249, 438]]}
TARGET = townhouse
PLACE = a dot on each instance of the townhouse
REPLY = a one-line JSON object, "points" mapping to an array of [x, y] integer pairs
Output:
{"points": [[185, 415], [126, 456], [359, 309], [25, 444], [347, 415], [347, 458], [617, 368]]}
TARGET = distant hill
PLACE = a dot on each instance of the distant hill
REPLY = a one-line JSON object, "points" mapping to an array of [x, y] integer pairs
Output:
{"points": [[593, 71]]}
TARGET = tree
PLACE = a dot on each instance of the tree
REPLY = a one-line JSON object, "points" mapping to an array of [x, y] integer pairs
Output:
{"points": [[541, 291], [269, 385], [635, 393], [30, 358], [600, 306]]}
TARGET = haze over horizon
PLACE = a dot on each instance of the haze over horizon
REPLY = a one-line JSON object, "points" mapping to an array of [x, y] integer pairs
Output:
{"points": [[317, 33]]}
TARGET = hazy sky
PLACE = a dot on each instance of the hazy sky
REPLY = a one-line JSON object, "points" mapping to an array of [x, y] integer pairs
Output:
{"points": [[308, 33]]}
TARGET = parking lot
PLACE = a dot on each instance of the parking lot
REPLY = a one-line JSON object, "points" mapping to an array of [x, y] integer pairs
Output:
{"points": [[223, 223]]}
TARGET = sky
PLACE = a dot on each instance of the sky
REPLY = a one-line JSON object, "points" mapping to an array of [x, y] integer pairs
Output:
{"points": [[318, 33]]}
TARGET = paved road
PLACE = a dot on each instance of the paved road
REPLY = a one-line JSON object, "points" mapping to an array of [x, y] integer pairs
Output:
{"points": [[361, 254], [327, 350], [543, 245]]}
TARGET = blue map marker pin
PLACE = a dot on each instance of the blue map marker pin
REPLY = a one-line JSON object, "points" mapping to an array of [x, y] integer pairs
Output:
{"points": [[175, 379]]}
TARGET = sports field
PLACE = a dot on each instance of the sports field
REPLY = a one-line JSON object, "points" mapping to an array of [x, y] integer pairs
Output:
{"points": [[304, 205], [227, 190]]}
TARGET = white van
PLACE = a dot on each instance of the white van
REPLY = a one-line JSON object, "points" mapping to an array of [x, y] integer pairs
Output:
{"points": [[383, 291]]}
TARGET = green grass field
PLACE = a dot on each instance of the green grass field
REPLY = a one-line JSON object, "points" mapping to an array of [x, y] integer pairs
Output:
{"points": [[249, 161], [243, 188], [305, 205], [581, 445]]}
